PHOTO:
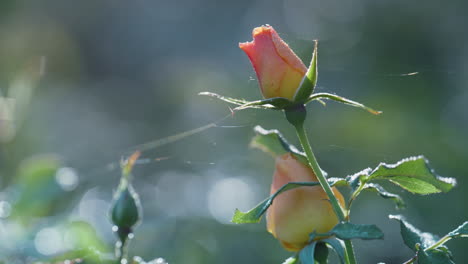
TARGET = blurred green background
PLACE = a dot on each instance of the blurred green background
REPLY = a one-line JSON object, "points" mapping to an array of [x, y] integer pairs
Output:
{"points": [[83, 82]]}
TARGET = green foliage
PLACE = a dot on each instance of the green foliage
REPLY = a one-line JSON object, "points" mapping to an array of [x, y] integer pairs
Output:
{"points": [[279, 103], [307, 254], [412, 174], [321, 253], [428, 247], [338, 247], [274, 143], [461, 231], [37, 187], [317, 252], [412, 236], [346, 230], [435, 256]]}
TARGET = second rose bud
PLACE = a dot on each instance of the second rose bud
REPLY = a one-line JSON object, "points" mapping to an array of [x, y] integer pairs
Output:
{"points": [[296, 213]]}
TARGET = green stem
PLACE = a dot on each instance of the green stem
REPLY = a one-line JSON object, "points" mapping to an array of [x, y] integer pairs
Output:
{"points": [[350, 252], [121, 250], [439, 243], [411, 260], [434, 246], [296, 116], [352, 198], [301, 133], [121, 246]]}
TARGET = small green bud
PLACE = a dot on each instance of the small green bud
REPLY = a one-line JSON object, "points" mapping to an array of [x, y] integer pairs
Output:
{"points": [[126, 209]]}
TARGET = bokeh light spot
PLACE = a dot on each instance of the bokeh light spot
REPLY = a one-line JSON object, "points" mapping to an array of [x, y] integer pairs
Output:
{"points": [[228, 194], [5, 209], [67, 178], [48, 241]]}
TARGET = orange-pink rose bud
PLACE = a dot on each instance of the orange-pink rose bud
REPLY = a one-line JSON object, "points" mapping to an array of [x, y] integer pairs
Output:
{"points": [[296, 213], [279, 70]]}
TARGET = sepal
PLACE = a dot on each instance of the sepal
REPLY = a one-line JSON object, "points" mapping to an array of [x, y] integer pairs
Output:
{"points": [[340, 99], [308, 83]]}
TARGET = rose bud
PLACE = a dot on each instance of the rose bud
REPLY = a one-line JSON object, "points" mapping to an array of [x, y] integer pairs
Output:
{"points": [[279, 70], [296, 213]]}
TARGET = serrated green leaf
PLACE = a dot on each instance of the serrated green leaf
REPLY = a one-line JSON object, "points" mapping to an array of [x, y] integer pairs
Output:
{"points": [[412, 174], [461, 231], [337, 246], [355, 180], [428, 247], [347, 230], [307, 86], [321, 253], [384, 194], [412, 236], [337, 181], [340, 99], [254, 215], [273, 142], [306, 255], [436, 256]]}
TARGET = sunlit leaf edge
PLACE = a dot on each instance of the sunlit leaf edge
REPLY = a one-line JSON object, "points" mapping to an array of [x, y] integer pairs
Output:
{"points": [[413, 236], [423, 182], [281, 142]]}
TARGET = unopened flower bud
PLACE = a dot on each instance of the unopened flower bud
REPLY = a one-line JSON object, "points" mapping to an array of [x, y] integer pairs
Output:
{"points": [[126, 208], [296, 213], [279, 70]]}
